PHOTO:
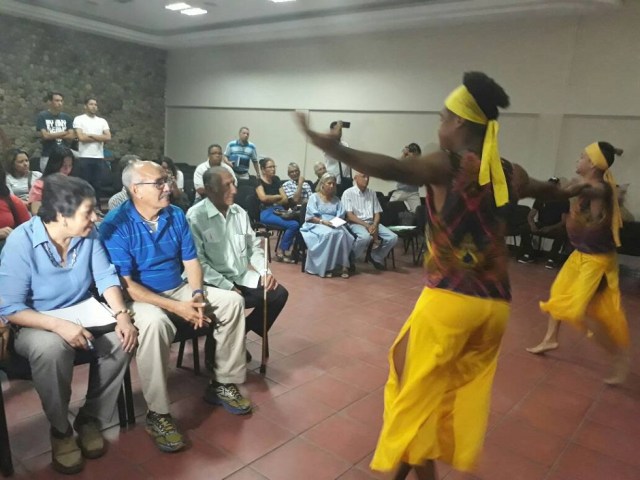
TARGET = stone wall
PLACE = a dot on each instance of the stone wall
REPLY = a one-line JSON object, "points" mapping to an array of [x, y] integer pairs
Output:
{"points": [[127, 79]]}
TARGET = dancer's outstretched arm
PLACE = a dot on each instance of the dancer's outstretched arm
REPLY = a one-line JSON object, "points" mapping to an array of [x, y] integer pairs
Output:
{"points": [[432, 169]]}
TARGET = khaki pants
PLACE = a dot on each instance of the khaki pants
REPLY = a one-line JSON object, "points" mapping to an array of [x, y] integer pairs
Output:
{"points": [[157, 332]]}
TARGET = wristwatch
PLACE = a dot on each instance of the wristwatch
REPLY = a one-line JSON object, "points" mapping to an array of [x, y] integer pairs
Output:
{"points": [[125, 310], [198, 291]]}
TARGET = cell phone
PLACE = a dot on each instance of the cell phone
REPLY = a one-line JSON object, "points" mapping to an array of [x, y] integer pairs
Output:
{"points": [[346, 124]]}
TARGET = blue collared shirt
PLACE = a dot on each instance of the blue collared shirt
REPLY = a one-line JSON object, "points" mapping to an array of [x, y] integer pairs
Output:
{"points": [[30, 280], [152, 259]]}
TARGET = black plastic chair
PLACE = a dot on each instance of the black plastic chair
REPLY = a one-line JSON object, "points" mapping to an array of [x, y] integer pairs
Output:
{"points": [[18, 369], [186, 332]]}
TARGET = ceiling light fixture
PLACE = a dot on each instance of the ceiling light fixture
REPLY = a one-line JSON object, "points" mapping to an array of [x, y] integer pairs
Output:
{"points": [[193, 11], [282, 1], [177, 6]]}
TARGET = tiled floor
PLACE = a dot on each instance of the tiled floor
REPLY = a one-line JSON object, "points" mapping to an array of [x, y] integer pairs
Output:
{"points": [[318, 411]]}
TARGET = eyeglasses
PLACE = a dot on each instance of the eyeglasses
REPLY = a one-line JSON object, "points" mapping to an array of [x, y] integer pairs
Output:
{"points": [[159, 184]]}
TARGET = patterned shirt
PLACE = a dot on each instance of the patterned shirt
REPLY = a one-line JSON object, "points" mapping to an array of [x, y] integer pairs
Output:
{"points": [[290, 188], [241, 155], [467, 252], [363, 205], [589, 233]]}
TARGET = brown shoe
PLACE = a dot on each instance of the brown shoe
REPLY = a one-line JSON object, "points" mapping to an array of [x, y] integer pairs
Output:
{"points": [[66, 456], [90, 439]]}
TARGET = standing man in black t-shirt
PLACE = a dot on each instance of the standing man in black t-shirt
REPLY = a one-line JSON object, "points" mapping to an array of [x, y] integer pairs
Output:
{"points": [[53, 126]]}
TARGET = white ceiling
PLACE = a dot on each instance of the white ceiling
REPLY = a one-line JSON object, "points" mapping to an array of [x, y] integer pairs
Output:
{"points": [[241, 21]]}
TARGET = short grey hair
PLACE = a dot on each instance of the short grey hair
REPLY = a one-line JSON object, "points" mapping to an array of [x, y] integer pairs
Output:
{"points": [[213, 177], [130, 173], [293, 164], [324, 179], [318, 165]]}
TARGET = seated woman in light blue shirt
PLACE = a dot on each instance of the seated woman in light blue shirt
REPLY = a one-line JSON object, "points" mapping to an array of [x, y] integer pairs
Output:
{"points": [[328, 247], [50, 262]]}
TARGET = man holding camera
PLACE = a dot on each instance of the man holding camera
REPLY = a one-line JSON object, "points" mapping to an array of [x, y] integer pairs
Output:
{"points": [[342, 172]]}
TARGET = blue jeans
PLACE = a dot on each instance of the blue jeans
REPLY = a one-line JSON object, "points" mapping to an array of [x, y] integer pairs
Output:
{"points": [[268, 217]]}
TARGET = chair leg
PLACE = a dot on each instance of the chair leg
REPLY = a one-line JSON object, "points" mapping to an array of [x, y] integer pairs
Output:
{"points": [[128, 397], [6, 465], [196, 355], [180, 354], [122, 408]]}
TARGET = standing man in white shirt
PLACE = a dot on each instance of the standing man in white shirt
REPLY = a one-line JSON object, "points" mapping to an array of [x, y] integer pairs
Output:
{"points": [[92, 132], [339, 170]]}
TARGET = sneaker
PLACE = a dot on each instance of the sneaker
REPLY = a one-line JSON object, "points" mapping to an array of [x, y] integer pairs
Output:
{"points": [[164, 432], [90, 439], [227, 395], [526, 258], [551, 264], [66, 456]]}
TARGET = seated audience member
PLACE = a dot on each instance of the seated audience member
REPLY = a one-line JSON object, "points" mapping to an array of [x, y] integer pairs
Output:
{"points": [[319, 169], [409, 194], [328, 246], [61, 160], [215, 158], [274, 201], [150, 243], [178, 197], [176, 175], [297, 189], [19, 177], [363, 214], [51, 262], [229, 251], [546, 219], [122, 196], [13, 212]]}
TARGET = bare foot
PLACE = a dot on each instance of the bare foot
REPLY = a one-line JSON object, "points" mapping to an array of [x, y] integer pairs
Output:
{"points": [[543, 347], [620, 370]]}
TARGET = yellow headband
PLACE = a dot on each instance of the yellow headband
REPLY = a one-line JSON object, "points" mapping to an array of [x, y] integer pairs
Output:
{"points": [[462, 103], [597, 158]]}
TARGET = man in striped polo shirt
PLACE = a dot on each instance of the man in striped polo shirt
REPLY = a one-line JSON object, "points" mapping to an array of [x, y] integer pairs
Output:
{"points": [[241, 153]]}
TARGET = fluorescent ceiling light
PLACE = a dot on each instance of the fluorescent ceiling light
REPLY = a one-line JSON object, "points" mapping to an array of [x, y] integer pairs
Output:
{"points": [[282, 1], [177, 6], [193, 11]]}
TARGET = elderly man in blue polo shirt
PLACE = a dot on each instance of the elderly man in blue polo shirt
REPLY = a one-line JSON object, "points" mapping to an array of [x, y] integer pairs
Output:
{"points": [[150, 243]]}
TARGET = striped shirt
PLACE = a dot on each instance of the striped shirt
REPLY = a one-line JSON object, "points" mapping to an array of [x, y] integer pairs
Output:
{"points": [[153, 259], [363, 205], [290, 188], [241, 155]]}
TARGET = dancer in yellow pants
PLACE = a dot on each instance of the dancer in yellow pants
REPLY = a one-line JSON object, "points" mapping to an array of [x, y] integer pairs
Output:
{"points": [[586, 293], [443, 361]]}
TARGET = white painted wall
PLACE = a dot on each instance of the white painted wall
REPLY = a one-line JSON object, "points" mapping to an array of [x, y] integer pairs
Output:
{"points": [[571, 81]]}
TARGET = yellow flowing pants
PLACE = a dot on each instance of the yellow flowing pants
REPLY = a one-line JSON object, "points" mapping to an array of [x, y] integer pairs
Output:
{"points": [[587, 285], [439, 407]]}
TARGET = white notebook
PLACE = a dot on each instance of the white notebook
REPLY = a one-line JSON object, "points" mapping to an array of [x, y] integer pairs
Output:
{"points": [[90, 314], [337, 222]]}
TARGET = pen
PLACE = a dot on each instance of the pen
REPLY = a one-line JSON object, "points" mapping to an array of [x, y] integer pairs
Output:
{"points": [[89, 343]]}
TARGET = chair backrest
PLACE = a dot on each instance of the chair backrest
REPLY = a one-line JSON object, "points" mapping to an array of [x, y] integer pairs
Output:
{"points": [[247, 198], [391, 213]]}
